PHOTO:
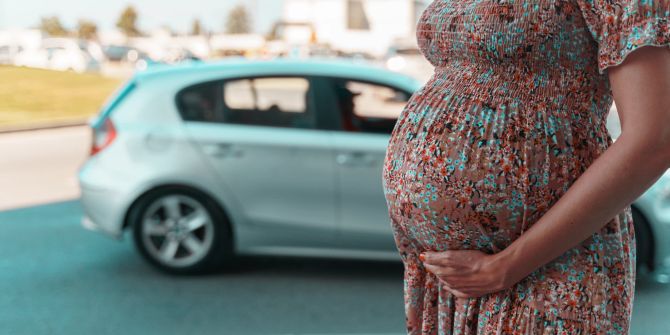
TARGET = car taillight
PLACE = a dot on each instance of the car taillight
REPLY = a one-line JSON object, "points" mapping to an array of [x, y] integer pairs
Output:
{"points": [[103, 135], [103, 127]]}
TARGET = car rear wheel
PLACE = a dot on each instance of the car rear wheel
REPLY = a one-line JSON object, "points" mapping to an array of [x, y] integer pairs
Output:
{"points": [[181, 231]]}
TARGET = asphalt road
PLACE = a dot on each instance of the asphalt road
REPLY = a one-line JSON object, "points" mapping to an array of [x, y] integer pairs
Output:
{"points": [[57, 278]]}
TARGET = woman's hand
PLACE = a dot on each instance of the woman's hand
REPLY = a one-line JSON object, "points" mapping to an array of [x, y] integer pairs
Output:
{"points": [[468, 273]]}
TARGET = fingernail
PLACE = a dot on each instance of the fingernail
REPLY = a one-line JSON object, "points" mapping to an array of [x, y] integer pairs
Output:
{"points": [[422, 257]]}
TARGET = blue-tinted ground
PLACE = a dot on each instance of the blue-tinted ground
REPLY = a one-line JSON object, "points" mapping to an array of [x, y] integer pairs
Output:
{"points": [[57, 278]]}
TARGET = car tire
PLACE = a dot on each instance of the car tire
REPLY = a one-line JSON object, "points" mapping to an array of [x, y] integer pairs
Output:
{"points": [[644, 240], [163, 223]]}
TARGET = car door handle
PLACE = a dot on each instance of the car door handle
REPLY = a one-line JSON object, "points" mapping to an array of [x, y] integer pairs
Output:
{"points": [[355, 159], [222, 150]]}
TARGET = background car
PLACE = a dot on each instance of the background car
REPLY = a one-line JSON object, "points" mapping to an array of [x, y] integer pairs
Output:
{"points": [[122, 53], [59, 54], [7, 53], [204, 161]]}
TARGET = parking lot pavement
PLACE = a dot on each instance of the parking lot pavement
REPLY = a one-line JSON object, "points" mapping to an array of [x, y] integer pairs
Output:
{"points": [[57, 278], [40, 166]]}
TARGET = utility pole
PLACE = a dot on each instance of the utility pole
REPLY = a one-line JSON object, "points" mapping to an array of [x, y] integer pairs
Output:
{"points": [[3, 10], [254, 15]]}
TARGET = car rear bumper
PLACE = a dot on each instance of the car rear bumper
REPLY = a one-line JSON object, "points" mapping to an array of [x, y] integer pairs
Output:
{"points": [[101, 212], [103, 199]]}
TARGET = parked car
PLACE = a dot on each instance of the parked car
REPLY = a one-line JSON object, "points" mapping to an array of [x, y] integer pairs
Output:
{"points": [[122, 53], [205, 161], [175, 55], [8, 52], [59, 54]]}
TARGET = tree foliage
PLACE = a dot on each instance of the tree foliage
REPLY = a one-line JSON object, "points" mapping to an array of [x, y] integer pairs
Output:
{"points": [[238, 21], [52, 26], [196, 27], [87, 30], [127, 22]]}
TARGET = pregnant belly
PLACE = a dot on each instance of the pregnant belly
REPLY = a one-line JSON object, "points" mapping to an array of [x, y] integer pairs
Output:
{"points": [[461, 190], [452, 196]]}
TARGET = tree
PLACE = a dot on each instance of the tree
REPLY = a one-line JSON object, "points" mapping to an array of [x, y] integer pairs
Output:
{"points": [[273, 33], [196, 28], [87, 30], [238, 21], [52, 26], [128, 22]]}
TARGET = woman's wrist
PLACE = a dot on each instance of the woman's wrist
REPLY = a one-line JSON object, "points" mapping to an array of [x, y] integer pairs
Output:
{"points": [[510, 270]]}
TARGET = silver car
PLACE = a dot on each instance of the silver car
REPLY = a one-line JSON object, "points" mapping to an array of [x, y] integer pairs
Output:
{"points": [[205, 161]]}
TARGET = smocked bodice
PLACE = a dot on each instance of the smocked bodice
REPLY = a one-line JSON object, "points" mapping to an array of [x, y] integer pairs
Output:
{"points": [[537, 34], [530, 66]]}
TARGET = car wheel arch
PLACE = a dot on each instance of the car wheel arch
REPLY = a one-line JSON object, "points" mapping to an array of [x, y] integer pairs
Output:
{"points": [[183, 187]]}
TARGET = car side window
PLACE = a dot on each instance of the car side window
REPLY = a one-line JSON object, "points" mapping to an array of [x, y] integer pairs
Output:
{"points": [[368, 107], [201, 103], [268, 101]]}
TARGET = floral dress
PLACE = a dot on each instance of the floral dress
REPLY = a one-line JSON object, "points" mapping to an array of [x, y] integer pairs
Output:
{"points": [[513, 114]]}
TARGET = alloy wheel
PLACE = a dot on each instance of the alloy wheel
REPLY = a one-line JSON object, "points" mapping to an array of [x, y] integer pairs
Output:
{"points": [[177, 230]]}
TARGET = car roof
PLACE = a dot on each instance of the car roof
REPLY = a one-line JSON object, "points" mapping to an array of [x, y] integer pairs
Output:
{"points": [[240, 67]]}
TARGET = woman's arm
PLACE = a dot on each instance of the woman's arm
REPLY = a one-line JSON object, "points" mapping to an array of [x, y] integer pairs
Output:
{"points": [[641, 154]]}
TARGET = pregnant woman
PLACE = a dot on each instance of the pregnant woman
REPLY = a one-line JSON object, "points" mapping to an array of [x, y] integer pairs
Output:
{"points": [[509, 201]]}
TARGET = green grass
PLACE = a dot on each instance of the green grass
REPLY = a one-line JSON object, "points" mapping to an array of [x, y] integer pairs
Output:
{"points": [[30, 96]]}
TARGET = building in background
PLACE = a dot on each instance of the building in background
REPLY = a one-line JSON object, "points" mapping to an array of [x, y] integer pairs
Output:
{"points": [[368, 26]]}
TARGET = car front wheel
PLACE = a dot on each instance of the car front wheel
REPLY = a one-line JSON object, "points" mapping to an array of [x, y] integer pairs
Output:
{"points": [[181, 231]]}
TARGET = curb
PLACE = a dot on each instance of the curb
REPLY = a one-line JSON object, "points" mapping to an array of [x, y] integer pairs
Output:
{"points": [[43, 125]]}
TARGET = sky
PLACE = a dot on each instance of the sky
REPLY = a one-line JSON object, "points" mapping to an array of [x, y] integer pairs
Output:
{"points": [[152, 13]]}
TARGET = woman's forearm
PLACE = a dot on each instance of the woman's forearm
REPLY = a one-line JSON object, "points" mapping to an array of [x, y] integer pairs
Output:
{"points": [[640, 87], [614, 180]]}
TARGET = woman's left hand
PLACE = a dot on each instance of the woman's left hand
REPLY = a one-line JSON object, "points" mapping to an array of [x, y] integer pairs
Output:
{"points": [[468, 273]]}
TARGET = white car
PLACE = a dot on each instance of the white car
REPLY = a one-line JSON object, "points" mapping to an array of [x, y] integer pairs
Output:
{"points": [[7, 53], [64, 54], [201, 161]]}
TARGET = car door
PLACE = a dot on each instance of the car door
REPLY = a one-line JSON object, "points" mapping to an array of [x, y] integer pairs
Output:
{"points": [[367, 112], [259, 134]]}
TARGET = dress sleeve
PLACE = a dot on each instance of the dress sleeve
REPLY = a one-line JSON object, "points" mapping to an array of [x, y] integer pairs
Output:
{"points": [[622, 26]]}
